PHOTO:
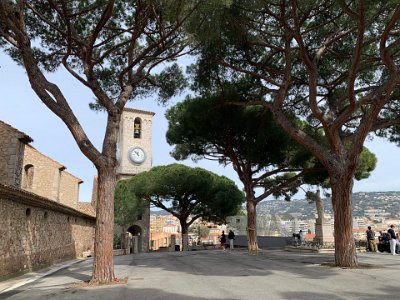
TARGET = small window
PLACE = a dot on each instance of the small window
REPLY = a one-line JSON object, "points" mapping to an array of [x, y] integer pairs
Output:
{"points": [[28, 212], [137, 129], [29, 172], [45, 215], [139, 217]]}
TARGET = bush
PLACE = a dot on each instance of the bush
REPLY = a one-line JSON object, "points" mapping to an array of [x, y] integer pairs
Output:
{"points": [[117, 241]]}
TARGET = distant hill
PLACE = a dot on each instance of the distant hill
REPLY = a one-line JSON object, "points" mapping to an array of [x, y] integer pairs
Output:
{"points": [[383, 203], [159, 212]]}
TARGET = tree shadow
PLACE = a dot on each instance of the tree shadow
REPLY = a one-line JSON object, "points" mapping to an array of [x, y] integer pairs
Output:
{"points": [[275, 270], [233, 264], [103, 292]]}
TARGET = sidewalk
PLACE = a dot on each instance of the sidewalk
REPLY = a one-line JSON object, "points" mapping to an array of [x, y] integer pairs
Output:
{"points": [[16, 282]]}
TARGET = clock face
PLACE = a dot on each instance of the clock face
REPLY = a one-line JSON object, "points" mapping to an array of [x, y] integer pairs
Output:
{"points": [[137, 155]]}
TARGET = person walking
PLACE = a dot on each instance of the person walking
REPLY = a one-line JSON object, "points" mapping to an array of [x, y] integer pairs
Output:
{"points": [[231, 237], [223, 240], [392, 240], [371, 240]]}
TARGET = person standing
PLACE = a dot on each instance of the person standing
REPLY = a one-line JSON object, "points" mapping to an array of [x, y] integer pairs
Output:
{"points": [[231, 237], [392, 240], [223, 240], [371, 239], [301, 237], [398, 245]]}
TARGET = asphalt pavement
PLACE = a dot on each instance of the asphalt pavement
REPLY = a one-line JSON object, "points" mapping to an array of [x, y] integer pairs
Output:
{"points": [[218, 274]]}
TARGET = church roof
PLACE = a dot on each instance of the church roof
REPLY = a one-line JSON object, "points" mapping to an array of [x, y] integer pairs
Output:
{"points": [[140, 111], [87, 208], [21, 135]]}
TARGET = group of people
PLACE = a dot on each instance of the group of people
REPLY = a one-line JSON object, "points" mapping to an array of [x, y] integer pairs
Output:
{"points": [[231, 237], [298, 238], [389, 236]]}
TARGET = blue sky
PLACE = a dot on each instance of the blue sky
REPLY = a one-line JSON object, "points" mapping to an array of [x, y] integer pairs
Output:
{"points": [[22, 109]]}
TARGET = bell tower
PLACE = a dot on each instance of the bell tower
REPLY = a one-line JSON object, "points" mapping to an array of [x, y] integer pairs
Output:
{"points": [[134, 146], [134, 156]]}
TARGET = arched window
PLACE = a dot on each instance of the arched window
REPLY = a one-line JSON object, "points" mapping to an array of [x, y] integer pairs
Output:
{"points": [[28, 174], [137, 130]]}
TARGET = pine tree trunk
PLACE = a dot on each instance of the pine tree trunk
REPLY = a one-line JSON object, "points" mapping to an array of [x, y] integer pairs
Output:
{"points": [[345, 248], [252, 244], [185, 241], [103, 266]]}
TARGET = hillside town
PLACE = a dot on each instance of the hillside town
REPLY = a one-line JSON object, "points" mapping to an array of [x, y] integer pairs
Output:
{"points": [[284, 218]]}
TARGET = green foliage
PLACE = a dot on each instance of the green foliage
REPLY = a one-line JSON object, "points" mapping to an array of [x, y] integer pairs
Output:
{"points": [[217, 124], [184, 191], [201, 230], [220, 126], [117, 240], [127, 207], [366, 164], [255, 38], [170, 81], [286, 192], [241, 213]]}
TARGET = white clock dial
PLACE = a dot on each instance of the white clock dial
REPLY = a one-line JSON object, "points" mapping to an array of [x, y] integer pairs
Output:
{"points": [[137, 155]]}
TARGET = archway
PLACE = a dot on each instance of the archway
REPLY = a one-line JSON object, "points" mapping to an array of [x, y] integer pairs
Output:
{"points": [[137, 236]]}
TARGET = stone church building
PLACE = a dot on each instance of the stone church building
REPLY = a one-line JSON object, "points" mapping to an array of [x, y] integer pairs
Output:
{"points": [[41, 219]]}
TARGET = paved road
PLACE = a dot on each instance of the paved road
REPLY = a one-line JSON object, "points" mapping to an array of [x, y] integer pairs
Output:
{"points": [[217, 274]]}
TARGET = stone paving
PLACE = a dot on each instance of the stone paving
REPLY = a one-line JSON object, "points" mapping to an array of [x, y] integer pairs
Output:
{"points": [[218, 274]]}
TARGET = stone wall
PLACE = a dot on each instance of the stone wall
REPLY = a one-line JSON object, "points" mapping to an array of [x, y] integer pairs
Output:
{"points": [[49, 178], [69, 189], [12, 144], [264, 242], [144, 225], [36, 232]]}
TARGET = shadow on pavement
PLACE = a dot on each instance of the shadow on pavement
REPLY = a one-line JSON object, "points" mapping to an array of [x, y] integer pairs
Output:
{"points": [[101, 293], [240, 263]]}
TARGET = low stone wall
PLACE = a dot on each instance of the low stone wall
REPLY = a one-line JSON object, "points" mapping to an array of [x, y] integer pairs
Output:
{"points": [[36, 232], [264, 242]]}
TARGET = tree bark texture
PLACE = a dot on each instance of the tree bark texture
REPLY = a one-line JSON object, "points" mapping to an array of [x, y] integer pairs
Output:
{"points": [[345, 248], [185, 244], [103, 266], [252, 244]]}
